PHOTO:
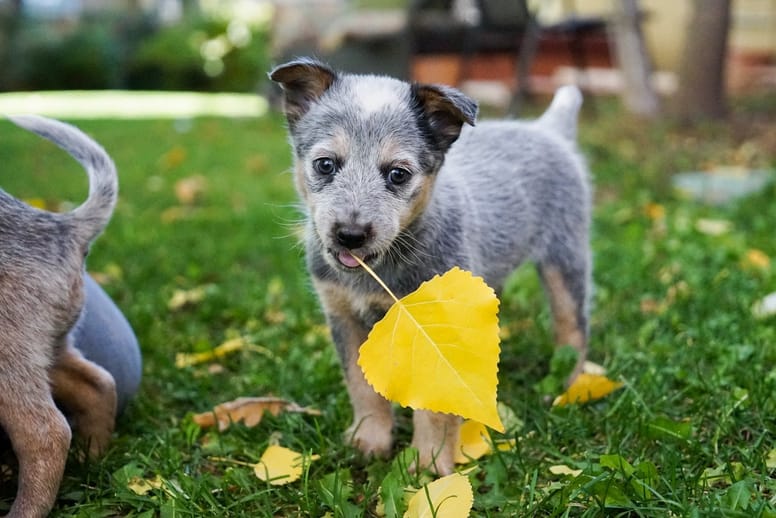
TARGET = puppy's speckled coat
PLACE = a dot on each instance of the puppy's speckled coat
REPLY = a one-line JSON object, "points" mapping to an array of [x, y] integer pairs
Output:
{"points": [[41, 297], [389, 172]]}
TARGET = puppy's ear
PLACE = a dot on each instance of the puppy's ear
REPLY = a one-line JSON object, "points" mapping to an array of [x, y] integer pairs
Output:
{"points": [[446, 110], [303, 82]]}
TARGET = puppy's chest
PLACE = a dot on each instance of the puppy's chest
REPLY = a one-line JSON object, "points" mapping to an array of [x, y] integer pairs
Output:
{"points": [[345, 302]]}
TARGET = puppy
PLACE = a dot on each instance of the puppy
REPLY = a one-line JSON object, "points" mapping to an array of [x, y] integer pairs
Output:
{"points": [[388, 171], [41, 297]]}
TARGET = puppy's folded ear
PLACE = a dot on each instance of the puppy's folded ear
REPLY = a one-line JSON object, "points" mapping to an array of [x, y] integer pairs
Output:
{"points": [[446, 110], [303, 82]]}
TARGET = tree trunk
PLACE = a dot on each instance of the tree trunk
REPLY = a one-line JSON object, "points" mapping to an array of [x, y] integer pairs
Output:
{"points": [[633, 60], [701, 92]]}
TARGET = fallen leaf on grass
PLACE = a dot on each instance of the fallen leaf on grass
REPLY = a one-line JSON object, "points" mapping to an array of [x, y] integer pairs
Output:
{"points": [[141, 486], [188, 359], [182, 298], [38, 203], [438, 348], [190, 189], [279, 466], [655, 211], [249, 411], [173, 158], [448, 497], [111, 273], [755, 259], [474, 442], [722, 475], [562, 469], [587, 387]]}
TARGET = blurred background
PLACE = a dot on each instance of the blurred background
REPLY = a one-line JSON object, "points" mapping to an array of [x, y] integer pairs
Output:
{"points": [[684, 56]]}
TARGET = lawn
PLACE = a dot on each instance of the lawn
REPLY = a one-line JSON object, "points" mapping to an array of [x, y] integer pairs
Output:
{"points": [[691, 433]]}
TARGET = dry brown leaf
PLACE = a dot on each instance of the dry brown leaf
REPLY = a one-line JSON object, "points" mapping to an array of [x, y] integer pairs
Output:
{"points": [[189, 190], [249, 410]]}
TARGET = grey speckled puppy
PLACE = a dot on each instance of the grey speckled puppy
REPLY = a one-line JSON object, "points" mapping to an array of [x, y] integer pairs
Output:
{"points": [[388, 171], [41, 298]]}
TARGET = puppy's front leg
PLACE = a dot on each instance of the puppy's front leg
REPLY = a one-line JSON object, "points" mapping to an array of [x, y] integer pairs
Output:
{"points": [[88, 393], [435, 436], [371, 431], [372, 417]]}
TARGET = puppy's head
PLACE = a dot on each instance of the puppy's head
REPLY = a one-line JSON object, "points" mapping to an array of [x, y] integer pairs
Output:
{"points": [[367, 150]]}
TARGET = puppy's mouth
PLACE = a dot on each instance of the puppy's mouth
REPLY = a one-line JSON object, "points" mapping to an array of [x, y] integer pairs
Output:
{"points": [[346, 258]]}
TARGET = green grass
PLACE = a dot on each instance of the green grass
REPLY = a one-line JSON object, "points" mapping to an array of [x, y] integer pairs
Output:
{"points": [[698, 369]]}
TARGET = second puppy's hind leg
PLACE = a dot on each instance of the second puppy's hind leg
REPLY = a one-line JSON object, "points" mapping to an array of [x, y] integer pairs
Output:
{"points": [[567, 285]]}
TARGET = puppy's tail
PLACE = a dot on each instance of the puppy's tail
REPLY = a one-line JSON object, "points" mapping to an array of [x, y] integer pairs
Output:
{"points": [[93, 215], [561, 116]]}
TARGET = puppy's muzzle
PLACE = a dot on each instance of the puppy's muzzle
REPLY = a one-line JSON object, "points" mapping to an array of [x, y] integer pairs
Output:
{"points": [[354, 240], [353, 236]]}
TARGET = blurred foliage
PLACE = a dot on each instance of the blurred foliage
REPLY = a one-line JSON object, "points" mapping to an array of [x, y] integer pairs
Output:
{"points": [[134, 52], [44, 59], [177, 58]]}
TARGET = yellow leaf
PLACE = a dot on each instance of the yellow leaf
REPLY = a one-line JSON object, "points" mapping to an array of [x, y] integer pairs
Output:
{"points": [[448, 497], [181, 298], [173, 158], [655, 211], [249, 410], [473, 442], [755, 259], [438, 347], [230, 346], [279, 465], [562, 469], [38, 203], [587, 387], [141, 486]]}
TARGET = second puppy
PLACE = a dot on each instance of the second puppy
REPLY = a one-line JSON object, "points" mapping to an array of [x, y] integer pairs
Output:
{"points": [[41, 298], [389, 172]]}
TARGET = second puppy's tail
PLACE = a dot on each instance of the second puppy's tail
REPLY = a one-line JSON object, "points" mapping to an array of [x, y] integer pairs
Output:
{"points": [[561, 116], [93, 215]]}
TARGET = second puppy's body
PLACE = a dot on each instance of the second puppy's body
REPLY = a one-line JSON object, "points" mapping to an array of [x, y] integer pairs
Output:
{"points": [[388, 172], [41, 298]]}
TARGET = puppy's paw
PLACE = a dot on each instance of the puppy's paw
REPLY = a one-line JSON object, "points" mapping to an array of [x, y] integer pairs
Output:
{"points": [[371, 435], [435, 437], [439, 460]]}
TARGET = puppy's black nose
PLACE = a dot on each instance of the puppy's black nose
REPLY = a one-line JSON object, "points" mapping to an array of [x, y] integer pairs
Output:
{"points": [[353, 236]]}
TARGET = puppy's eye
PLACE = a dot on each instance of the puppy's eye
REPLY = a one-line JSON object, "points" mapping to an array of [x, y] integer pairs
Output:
{"points": [[325, 166], [398, 176]]}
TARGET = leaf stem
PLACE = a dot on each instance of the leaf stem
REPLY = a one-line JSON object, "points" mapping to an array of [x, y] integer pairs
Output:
{"points": [[232, 461], [375, 276]]}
